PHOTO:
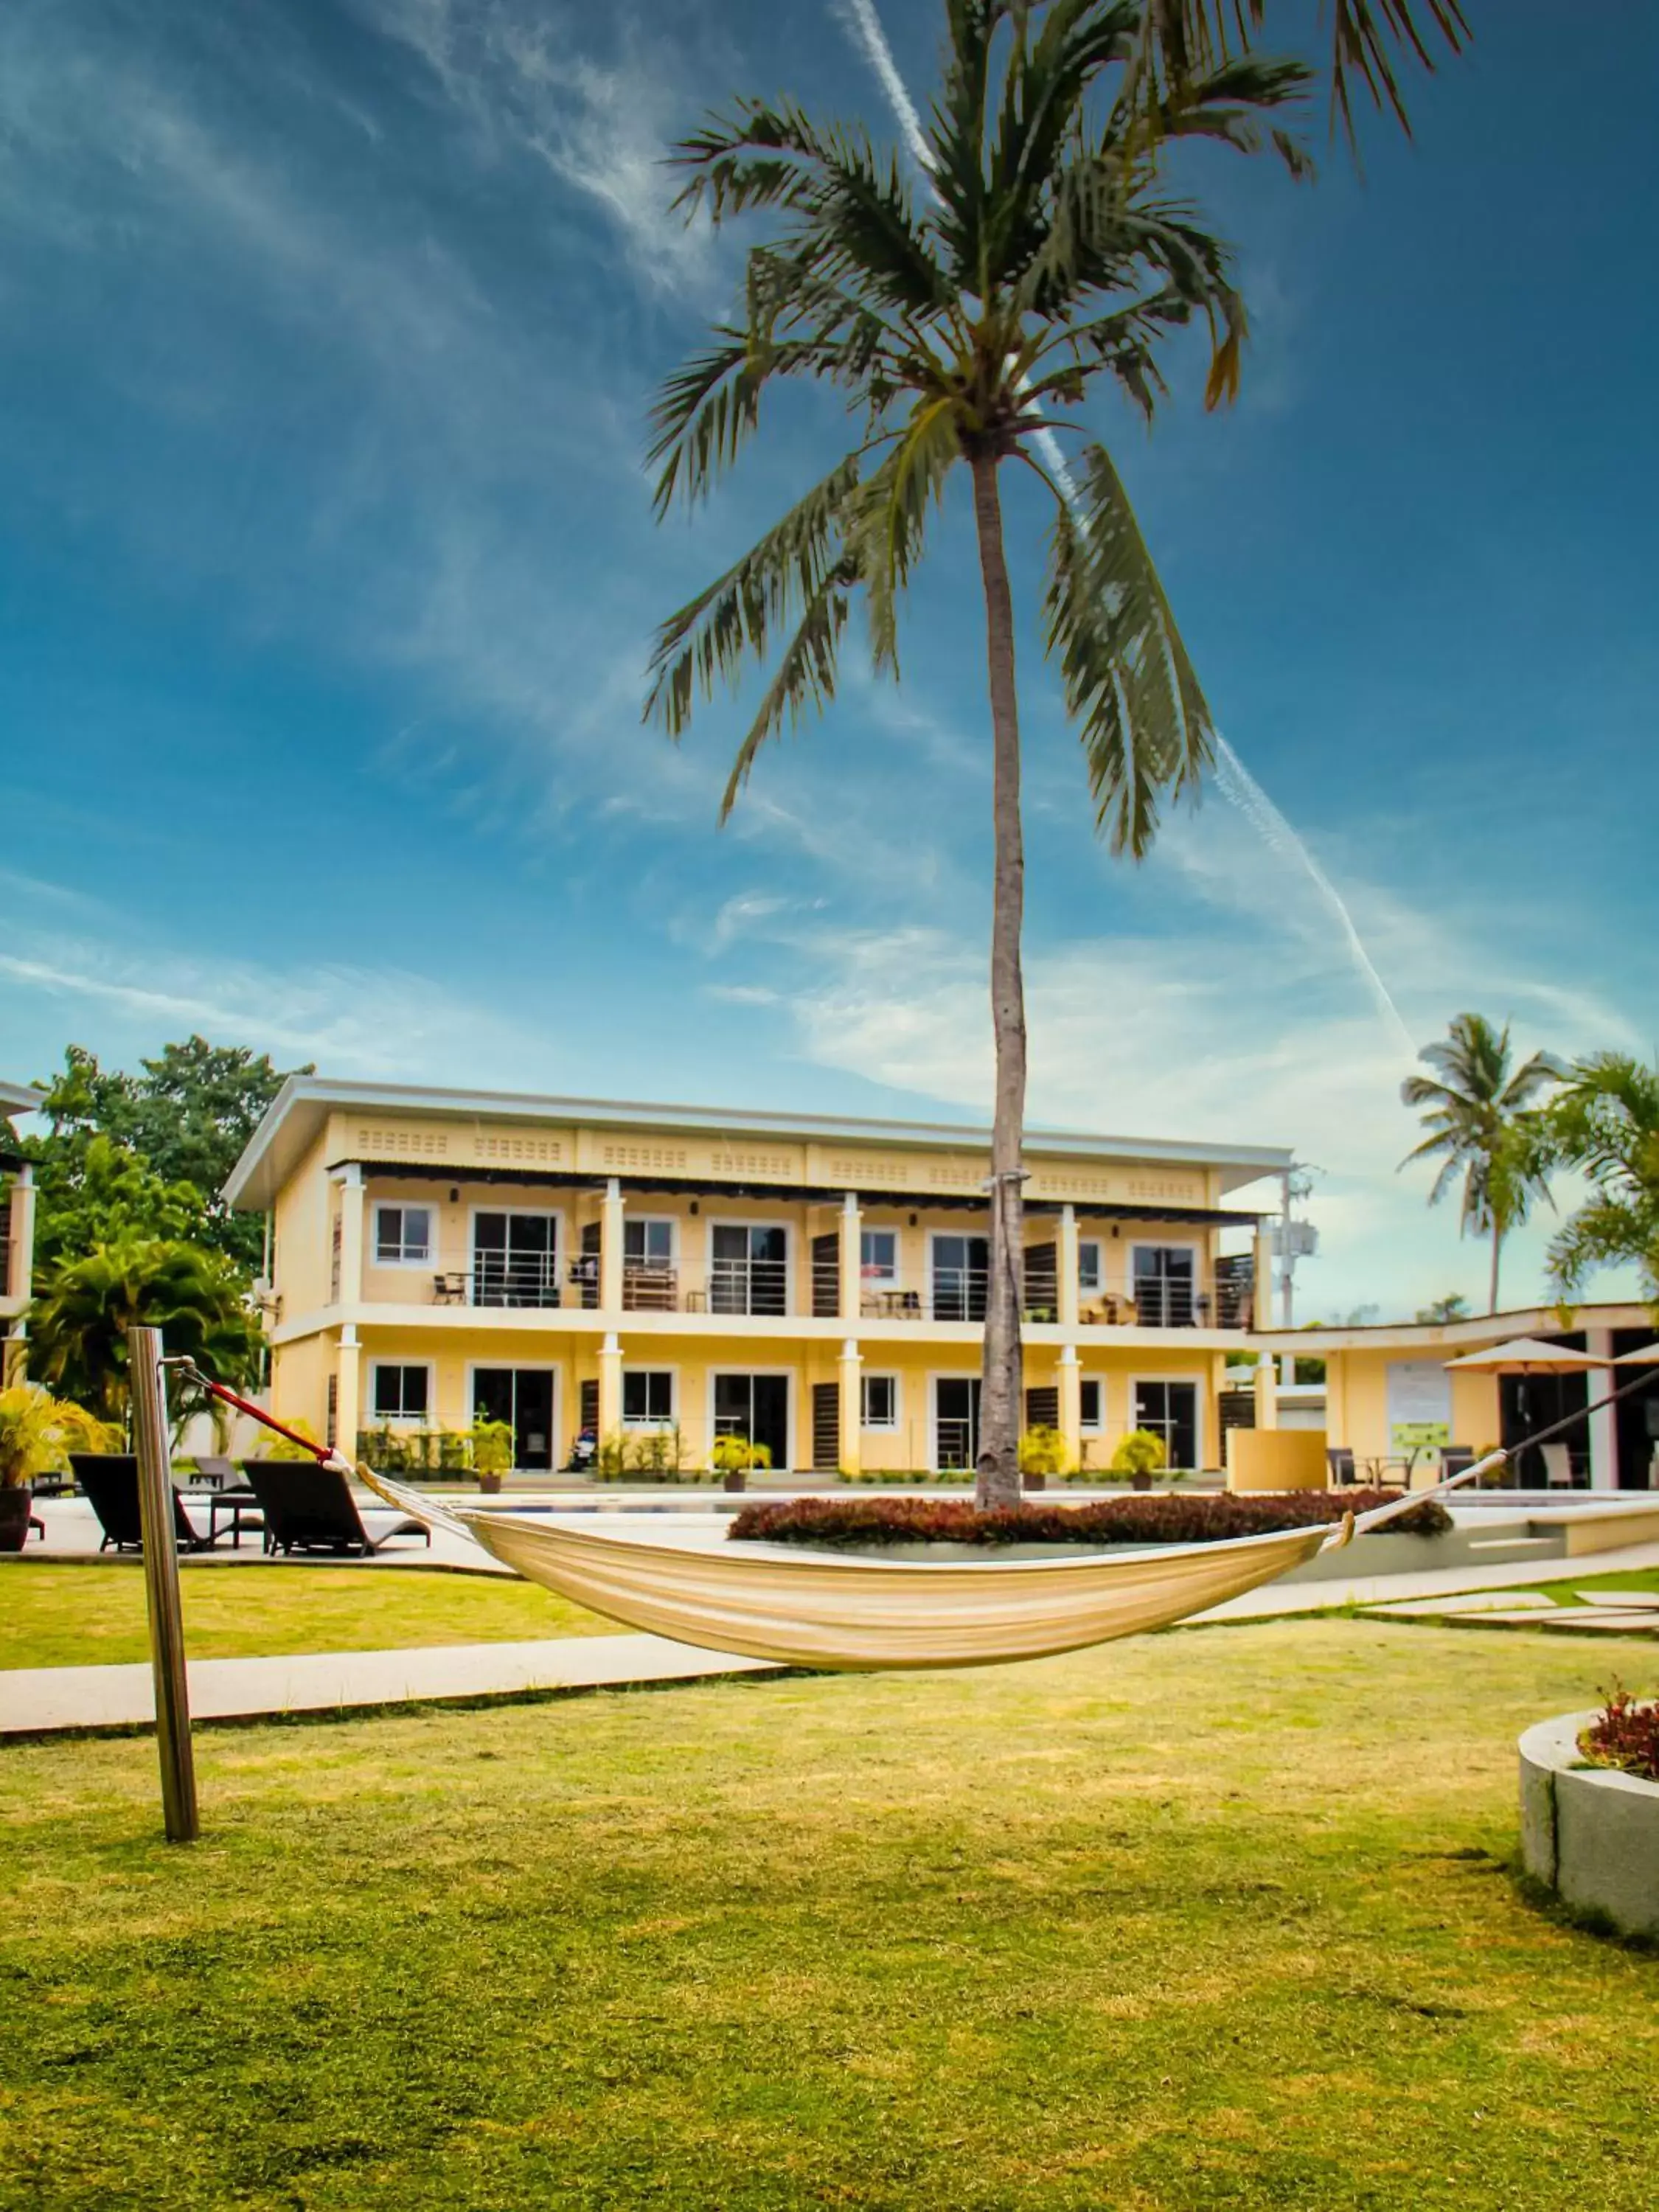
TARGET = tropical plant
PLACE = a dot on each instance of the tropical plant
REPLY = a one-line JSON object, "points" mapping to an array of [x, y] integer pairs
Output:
{"points": [[285, 1447], [1045, 259], [37, 1433], [78, 1325], [1141, 1452], [1604, 1121], [1452, 1307], [106, 1194], [1474, 1106], [1369, 39], [1042, 1451], [494, 1447], [737, 1456]]}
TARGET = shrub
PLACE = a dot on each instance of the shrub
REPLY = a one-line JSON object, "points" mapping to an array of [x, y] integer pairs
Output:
{"points": [[1138, 1453], [494, 1447], [282, 1446], [736, 1455], [1152, 1520], [1042, 1451], [1626, 1735]]}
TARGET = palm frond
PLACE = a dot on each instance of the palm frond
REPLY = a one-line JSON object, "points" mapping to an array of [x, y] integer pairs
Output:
{"points": [[1146, 724], [806, 677], [889, 517]]}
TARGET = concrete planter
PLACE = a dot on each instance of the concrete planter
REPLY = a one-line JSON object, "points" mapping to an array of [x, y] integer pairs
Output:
{"points": [[1590, 1834]]}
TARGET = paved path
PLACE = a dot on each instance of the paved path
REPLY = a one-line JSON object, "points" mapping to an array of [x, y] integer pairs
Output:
{"points": [[47, 1700], [1278, 1598]]}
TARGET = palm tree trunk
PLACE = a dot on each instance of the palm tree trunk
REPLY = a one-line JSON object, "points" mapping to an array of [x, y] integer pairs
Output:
{"points": [[1001, 1389], [1496, 1250]]}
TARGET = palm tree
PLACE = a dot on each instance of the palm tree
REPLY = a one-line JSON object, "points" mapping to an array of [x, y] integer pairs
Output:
{"points": [[1047, 257], [1476, 1106], [78, 1326], [1605, 1122], [1180, 38]]}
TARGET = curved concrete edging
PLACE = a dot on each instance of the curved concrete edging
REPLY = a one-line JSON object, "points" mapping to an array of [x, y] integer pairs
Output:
{"points": [[1590, 1834]]}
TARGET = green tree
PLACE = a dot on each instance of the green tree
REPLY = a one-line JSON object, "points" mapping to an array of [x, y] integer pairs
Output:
{"points": [[187, 1116], [100, 1193], [78, 1324], [1452, 1307], [1045, 260], [1474, 1108], [1604, 1121]]}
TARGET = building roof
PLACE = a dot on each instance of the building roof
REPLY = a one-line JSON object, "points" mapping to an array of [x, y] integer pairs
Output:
{"points": [[302, 1107], [1469, 1334], [19, 1098]]}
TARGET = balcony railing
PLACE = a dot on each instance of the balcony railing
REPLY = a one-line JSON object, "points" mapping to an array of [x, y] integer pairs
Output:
{"points": [[959, 1293], [514, 1278], [749, 1286]]}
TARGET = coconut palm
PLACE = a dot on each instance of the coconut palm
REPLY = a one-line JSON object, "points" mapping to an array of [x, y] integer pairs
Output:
{"points": [[1043, 258], [78, 1325], [1180, 38], [1475, 1112], [1605, 1122]]}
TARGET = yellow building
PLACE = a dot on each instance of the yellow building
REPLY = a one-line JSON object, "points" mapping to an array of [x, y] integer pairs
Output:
{"points": [[815, 1284], [17, 1223]]}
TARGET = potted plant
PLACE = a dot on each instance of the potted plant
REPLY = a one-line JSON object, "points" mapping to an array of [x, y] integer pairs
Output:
{"points": [[37, 1433], [1139, 1456], [494, 1445], [1042, 1453], [733, 1456]]}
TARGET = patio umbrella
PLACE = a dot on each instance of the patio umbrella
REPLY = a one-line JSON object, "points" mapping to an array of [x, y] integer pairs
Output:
{"points": [[1529, 1355], [1646, 1356]]}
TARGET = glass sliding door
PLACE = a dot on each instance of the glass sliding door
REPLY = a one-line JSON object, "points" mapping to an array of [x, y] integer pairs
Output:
{"points": [[523, 1398], [956, 1421], [756, 1408], [749, 1269], [960, 1270], [1165, 1286], [1170, 1410], [515, 1259]]}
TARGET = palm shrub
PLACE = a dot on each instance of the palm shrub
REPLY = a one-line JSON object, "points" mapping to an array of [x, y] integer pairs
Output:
{"points": [[1604, 1121], [1044, 260], [78, 1325], [1141, 1452], [37, 1433]]}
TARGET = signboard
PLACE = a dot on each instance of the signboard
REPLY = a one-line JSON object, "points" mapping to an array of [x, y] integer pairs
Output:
{"points": [[1419, 1405]]}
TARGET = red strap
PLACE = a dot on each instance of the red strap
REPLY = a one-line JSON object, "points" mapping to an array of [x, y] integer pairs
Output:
{"points": [[259, 1414]]}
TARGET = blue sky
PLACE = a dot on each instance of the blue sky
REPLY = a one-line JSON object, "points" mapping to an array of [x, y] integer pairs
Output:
{"points": [[327, 570]]}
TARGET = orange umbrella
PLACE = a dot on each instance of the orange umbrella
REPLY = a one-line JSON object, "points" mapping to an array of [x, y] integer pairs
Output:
{"points": [[1529, 1355]]}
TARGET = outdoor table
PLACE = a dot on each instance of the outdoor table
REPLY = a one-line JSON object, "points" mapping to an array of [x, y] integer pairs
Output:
{"points": [[232, 1505]]}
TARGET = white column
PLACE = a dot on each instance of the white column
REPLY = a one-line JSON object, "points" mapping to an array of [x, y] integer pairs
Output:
{"points": [[347, 1391], [610, 1271], [351, 1179], [1602, 1425], [851, 1261], [610, 1366], [849, 1374], [22, 1235], [1262, 1299], [1067, 1306], [1070, 1379]]}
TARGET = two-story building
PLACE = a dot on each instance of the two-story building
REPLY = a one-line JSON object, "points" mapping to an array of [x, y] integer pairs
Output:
{"points": [[17, 1223], [815, 1284]]}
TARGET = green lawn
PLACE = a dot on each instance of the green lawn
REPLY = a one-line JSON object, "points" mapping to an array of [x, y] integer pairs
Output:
{"points": [[1197, 1921], [1598, 1586], [90, 1616]]}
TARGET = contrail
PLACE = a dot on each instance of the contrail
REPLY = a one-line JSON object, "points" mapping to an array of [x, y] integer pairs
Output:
{"points": [[1234, 781]]}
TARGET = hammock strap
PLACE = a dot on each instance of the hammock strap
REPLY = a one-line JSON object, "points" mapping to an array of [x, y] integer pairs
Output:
{"points": [[324, 1455]]}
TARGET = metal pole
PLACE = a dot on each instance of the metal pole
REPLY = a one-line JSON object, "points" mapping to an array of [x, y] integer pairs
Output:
{"points": [[167, 1624]]}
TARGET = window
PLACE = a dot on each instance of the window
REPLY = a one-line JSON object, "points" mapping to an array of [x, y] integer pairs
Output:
{"points": [[648, 1243], [402, 1394], [515, 1259], [880, 1409], [647, 1396], [1165, 1286], [878, 1256], [1088, 1264], [1091, 1414], [1170, 1410], [402, 1235]]}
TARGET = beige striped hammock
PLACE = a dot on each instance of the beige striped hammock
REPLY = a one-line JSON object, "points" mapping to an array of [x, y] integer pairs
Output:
{"points": [[823, 1610]]}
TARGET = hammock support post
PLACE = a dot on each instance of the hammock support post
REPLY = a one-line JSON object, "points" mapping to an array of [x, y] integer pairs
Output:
{"points": [[166, 1620]]}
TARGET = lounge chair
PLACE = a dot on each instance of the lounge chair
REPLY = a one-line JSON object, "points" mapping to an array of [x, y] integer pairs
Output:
{"points": [[310, 1508], [110, 1480], [1558, 1466], [1339, 1459], [218, 1471]]}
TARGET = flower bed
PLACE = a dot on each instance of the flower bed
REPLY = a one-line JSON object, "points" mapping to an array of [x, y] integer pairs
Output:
{"points": [[1624, 1735], [859, 1523]]}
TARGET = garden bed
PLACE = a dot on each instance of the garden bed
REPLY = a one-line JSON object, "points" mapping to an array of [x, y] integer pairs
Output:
{"points": [[1589, 1831], [867, 1524]]}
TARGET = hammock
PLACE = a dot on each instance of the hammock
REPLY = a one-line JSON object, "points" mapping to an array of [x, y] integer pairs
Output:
{"points": [[858, 1615], [825, 1611]]}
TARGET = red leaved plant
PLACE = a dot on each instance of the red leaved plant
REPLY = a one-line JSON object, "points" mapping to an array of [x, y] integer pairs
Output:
{"points": [[1153, 1520], [1626, 1735]]}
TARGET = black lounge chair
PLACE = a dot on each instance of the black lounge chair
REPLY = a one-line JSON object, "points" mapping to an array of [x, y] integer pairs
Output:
{"points": [[1339, 1458], [110, 1480], [310, 1508]]}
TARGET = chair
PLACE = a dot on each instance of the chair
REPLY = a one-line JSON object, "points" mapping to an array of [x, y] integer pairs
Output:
{"points": [[1558, 1466], [1453, 1459], [310, 1508], [110, 1480], [1339, 1459]]}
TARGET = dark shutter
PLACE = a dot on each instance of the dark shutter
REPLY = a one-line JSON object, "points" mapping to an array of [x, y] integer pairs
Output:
{"points": [[590, 1407], [1042, 1409], [826, 1276], [826, 1427], [589, 1272], [1042, 1282]]}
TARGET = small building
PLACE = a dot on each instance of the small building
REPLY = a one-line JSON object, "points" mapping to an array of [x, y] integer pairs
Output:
{"points": [[17, 1227], [816, 1285]]}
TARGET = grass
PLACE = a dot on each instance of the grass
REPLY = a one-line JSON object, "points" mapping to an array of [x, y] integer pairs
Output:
{"points": [[1596, 1587], [1193, 1922], [90, 1616]]}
